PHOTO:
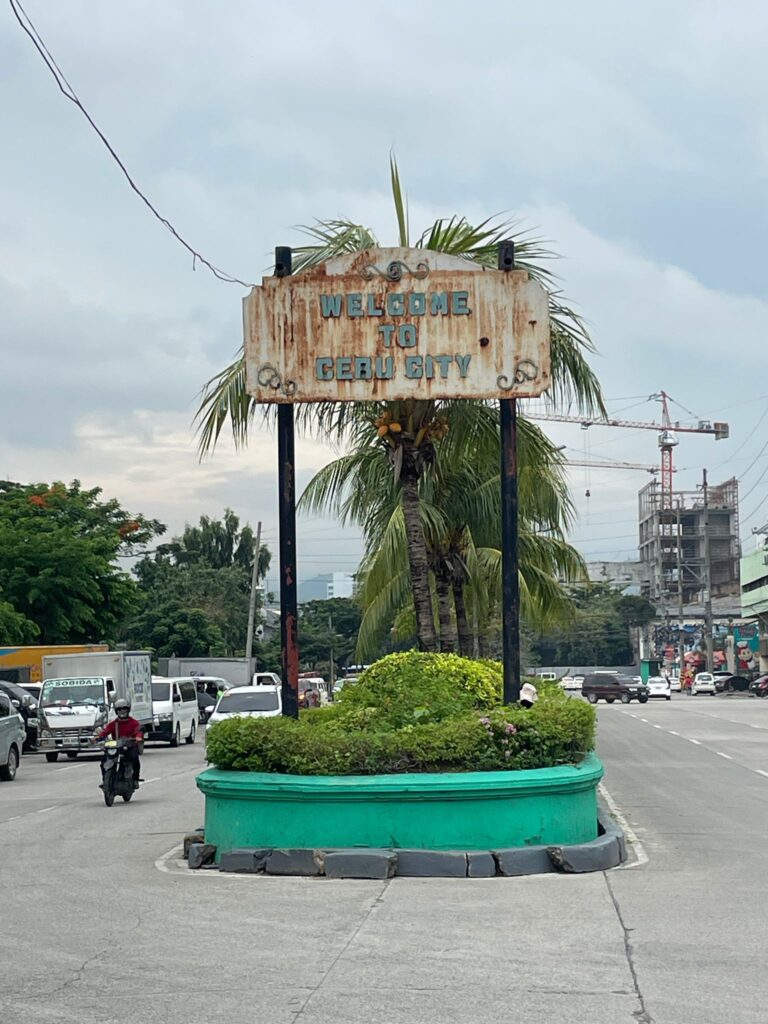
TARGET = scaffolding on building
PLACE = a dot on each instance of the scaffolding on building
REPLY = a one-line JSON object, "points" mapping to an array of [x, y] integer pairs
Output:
{"points": [[676, 542]]}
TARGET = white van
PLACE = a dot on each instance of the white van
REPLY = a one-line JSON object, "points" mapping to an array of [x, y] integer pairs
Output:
{"points": [[174, 710]]}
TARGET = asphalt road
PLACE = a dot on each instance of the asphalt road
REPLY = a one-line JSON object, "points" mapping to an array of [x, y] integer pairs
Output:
{"points": [[98, 925]]}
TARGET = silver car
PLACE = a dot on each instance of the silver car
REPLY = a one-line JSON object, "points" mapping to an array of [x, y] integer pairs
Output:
{"points": [[12, 736]]}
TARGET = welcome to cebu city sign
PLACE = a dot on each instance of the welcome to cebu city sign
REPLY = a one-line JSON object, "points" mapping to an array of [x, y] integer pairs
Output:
{"points": [[388, 324]]}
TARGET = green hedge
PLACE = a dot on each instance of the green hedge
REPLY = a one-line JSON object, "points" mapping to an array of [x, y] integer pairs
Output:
{"points": [[412, 713]]}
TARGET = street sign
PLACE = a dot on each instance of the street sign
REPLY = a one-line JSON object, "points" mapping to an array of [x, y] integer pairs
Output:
{"points": [[388, 324]]}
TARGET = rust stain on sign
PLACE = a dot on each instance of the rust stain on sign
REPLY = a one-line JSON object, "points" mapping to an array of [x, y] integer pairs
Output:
{"points": [[390, 324]]}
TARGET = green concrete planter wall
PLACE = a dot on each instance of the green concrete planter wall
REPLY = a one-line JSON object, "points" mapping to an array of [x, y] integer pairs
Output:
{"points": [[460, 811]]}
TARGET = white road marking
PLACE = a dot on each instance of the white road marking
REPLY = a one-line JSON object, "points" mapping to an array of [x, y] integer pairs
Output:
{"points": [[67, 768], [656, 726], [147, 782], [644, 720], [673, 733], [697, 742], [631, 836], [721, 754], [14, 818], [761, 772], [162, 862], [44, 810]]}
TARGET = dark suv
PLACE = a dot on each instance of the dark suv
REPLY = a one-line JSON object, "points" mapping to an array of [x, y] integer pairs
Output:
{"points": [[611, 686]]}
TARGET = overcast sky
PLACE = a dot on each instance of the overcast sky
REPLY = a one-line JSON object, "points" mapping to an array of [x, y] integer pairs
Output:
{"points": [[634, 137]]}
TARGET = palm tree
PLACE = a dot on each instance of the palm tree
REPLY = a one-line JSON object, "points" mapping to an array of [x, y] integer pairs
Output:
{"points": [[410, 429], [459, 505]]}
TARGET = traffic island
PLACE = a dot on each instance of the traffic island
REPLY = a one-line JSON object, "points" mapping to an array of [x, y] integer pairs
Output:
{"points": [[607, 850], [460, 824]]}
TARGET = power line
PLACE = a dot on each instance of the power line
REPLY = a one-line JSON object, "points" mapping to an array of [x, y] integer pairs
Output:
{"points": [[66, 89]]}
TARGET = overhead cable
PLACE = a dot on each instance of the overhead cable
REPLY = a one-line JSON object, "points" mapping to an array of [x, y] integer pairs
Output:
{"points": [[24, 20]]}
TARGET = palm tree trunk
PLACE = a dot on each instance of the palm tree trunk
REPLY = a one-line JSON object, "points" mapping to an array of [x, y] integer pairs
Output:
{"points": [[449, 640], [419, 565], [462, 623]]}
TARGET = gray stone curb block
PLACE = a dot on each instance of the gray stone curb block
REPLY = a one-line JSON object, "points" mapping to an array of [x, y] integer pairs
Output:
{"points": [[431, 864], [295, 862], [248, 860], [190, 838], [200, 854], [599, 855], [368, 863], [610, 827], [480, 864], [523, 860]]}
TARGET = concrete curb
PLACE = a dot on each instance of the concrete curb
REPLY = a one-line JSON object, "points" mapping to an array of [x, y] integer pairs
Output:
{"points": [[607, 851]]}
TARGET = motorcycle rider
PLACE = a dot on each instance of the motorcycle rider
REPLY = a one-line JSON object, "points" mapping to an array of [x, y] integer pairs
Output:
{"points": [[124, 727]]}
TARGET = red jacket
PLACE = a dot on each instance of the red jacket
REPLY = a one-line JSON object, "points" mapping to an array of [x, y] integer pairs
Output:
{"points": [[122, 728]]}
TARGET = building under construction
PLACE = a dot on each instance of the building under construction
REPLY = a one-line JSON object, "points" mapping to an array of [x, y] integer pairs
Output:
{"points": [[679, 537]]}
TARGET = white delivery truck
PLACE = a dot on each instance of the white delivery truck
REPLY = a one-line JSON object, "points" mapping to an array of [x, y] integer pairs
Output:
{"points": [[78, 694], [236, 671]]}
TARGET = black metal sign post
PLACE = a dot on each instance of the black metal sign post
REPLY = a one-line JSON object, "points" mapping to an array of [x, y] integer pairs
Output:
{"points": [[286, 478], [510, 621]]}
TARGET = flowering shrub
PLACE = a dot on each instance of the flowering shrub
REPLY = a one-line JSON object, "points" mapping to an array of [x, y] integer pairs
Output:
{"points": [[405, 716]]}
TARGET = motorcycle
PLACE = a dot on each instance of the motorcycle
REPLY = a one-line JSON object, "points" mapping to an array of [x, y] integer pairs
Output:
{"points": [[118, 770]]}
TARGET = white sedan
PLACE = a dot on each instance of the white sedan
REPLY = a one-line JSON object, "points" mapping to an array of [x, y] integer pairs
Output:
{"points": [[659, 686], [247, 702], [703, 682]]}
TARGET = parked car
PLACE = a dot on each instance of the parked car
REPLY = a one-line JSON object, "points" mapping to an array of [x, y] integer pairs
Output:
{"points": [[731, 684], [659, 686], [674, 684], [12, 736], [26, 706], [759, 686], [611, 686], [247, 702], [703, 682], [572, 682]]}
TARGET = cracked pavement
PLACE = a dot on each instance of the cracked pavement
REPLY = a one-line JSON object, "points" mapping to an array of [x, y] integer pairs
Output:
{"points": [[91, 925]]}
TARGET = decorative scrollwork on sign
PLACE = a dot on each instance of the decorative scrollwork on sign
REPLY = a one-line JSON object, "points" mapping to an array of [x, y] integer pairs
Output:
{"points": [[394, 271], [525, 371], [269, 376]]}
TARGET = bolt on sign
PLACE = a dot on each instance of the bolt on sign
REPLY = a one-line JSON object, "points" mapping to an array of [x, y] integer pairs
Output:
{"points": [[388, 324]]}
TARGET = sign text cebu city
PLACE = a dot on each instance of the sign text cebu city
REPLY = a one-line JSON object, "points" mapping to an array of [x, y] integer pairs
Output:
{"points": [[393, 324]]}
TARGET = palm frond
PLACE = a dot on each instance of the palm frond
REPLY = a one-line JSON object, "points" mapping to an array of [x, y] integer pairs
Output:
{"points": [[401, 205], [224, 397]]}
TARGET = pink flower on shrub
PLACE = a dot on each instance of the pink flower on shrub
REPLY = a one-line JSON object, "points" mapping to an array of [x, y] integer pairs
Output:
{"points": [[510, 729]]}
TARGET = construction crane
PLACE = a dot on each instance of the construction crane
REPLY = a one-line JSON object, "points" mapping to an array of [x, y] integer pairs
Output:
{"points": [[667, 434], [617, 464]]}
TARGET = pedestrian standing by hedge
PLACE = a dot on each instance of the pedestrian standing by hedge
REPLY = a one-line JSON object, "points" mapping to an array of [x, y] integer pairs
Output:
{"points": [[528, 695]]}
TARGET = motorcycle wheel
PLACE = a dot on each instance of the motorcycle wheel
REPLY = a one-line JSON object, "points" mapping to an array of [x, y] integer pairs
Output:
{"points": [[127, 796], [109, 788]]}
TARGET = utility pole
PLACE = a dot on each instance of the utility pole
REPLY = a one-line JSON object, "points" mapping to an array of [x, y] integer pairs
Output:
{"points": [[680, 633], [707, 578], [333, 667], [254, 588]]}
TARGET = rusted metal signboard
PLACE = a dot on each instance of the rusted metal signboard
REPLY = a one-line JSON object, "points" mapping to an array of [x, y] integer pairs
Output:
{"points": [[390, 324]]}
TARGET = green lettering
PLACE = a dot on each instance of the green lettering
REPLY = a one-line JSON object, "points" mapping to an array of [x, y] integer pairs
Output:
{"points": [[459, 303], [438, 303], [354, 304], [324, 368], [330, 305]]}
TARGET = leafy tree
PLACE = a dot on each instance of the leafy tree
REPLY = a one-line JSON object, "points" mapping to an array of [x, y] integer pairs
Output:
{"points": [[326, 626], [172, 628], [599, 630], [411, 430], [206, 570], [15, 628], [58, 551]]}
